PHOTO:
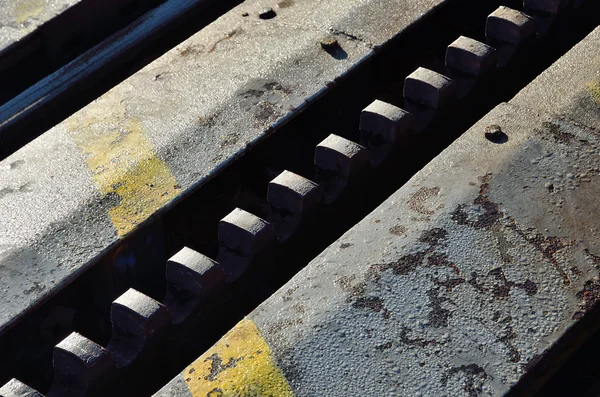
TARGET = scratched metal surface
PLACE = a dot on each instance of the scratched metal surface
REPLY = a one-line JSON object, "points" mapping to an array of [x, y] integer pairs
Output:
{"points": [[21, 17], [461, 280], [101, 173]]}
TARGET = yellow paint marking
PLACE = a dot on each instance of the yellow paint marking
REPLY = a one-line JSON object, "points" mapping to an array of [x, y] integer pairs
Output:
{"points": [[594, 90], [122, 161], [239, 365], [26, 9]]}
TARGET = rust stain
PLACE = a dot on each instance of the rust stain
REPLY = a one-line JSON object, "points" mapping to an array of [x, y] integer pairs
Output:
{"points": [[418, 200], [226, 37]]}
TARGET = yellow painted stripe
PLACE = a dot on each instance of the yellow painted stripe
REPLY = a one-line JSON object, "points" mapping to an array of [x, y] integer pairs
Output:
{"points": [[25, 9], [239, 365], [122, 161], [594, 90]]}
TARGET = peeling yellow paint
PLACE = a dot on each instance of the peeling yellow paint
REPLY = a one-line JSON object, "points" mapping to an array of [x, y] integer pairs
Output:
{"points": [[26, 9], [594, 90], [122, 161], [239, 365]]}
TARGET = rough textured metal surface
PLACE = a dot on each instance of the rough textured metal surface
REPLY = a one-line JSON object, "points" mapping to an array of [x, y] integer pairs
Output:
{"points": [[457, 284], [578, 95], [15, 388], [21, 17], [98, 57], [178, 121]]}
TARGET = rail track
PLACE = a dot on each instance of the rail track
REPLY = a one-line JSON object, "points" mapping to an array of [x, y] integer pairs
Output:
{"points": [[292, 155]]}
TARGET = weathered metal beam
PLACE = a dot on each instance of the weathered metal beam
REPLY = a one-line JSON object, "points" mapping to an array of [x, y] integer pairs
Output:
{"points": [[458, 284]]}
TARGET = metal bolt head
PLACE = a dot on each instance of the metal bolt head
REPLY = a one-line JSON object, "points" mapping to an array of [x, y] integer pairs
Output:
{"points": [[494, 133]]}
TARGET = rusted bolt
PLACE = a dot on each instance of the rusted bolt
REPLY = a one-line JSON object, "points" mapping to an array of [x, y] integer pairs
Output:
{"points": [[494, 133], [333, 48], [267, 13], [329, 43]]}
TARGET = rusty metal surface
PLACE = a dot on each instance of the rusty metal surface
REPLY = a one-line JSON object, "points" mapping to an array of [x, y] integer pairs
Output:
{"points": [[100, 174], [458, 283]]}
